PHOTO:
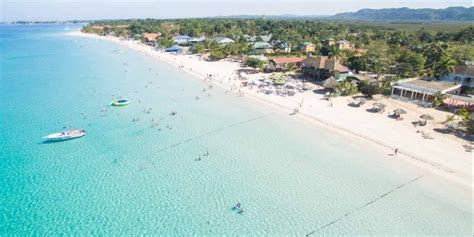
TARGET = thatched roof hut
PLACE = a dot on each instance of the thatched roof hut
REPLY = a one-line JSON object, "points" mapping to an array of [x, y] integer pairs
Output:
{"points": [[330, 83]]}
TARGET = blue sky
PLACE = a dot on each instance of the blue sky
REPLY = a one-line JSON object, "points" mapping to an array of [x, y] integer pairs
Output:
{"points": [[13, 10]]}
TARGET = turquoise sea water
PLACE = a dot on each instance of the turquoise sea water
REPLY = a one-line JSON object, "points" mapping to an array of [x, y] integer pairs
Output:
{"points": [[124, 177]]}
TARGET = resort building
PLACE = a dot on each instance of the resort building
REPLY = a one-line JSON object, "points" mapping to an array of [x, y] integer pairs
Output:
{"points": [[150, 38], [223, 40], [282, 46], [459, 101], [307, 47], [250, 38], [284, 63], [422, 91], [321, 67], [463, 74], [265, 38], [328, 42], [371, 78], [261, 48], [343, 45], [195, 40], [181, 39]]}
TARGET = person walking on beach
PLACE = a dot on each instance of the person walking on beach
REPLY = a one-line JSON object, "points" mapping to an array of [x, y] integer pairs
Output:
{"points": [[396, 152]]}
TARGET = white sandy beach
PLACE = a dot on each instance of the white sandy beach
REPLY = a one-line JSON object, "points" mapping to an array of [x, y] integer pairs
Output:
{"points": [[444, 155]]}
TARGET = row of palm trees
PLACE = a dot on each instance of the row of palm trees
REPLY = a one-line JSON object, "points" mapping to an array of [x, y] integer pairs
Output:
{"points": [[439, 61]]}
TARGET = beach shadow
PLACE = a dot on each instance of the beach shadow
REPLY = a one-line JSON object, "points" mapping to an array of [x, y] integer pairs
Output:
{"points": [[443, 130], [468, 148], [52, 142], [319, 91], [353, 105]]}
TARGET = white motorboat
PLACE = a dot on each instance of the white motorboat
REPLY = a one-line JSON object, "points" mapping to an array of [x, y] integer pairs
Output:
{"points": [[66, 135]]}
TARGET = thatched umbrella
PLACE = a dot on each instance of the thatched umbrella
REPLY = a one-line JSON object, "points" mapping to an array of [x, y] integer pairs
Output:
{"points": [[426, 117], [379, 105], [400, 111], [362, 101], [330, 83]]}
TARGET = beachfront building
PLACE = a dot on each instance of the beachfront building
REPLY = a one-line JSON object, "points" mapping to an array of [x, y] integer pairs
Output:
{"points": [[181, 39], [328, 42], [459, 102], [321, 67], [249, 38], [195, 40], [463, 74], [223, 40], [265, 38], [261, 48], [285, 63], [150, 38], [371, 78], [422, 91], [307, 47], [344, 45], [282, 46]]}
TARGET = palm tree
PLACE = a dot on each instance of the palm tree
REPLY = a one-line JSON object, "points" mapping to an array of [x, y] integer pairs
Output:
{"points": [[291, 67], [438, 99], [445, 66], [334, 52]]}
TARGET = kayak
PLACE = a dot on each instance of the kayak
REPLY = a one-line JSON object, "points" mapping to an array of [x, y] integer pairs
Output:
{"points": [[120, 102]]}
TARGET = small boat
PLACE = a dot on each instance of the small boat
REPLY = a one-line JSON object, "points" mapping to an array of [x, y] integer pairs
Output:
{"points": [[120, 102], [66, 135]]}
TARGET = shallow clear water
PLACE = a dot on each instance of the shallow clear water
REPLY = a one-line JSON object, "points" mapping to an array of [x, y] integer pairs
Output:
{"points": [[126, 177]]}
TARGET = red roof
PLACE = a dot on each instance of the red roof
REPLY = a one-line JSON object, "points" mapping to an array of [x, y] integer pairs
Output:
{"points": [[287, 60], [150, 36]]}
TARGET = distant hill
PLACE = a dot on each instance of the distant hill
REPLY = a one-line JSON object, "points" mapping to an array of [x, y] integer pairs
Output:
{"points": [[407, 14]]}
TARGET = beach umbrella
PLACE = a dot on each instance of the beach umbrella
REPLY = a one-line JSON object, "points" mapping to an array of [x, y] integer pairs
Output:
{"points": [[400, 111], [426, 117], [362, 101], [330, 83]]}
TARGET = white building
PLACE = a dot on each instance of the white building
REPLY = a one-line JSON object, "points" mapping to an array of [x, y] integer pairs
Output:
{"points": [[463, 74]]}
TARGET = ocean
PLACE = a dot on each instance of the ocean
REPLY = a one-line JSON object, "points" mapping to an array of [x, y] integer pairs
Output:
{"points": [[137, 171]]}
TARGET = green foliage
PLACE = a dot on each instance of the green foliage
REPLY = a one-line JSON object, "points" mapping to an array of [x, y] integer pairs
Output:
{"points": [[409, 49], [377, 58], [345, 88], [409, 64], [198, 48], [368, 89], [438, 99], [467, 121], [334, 52], [217, 54], [406, 14], [465, 35], [357, 63], [253, 62], [467, 90], [166, 42], [280, 80]]}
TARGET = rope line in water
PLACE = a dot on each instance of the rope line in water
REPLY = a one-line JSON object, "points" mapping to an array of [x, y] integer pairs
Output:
{"points": [[365, 205], [213, 131]]}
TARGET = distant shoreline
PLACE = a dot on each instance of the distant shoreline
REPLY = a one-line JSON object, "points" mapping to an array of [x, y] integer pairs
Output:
{"points": [[224, 70]]}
